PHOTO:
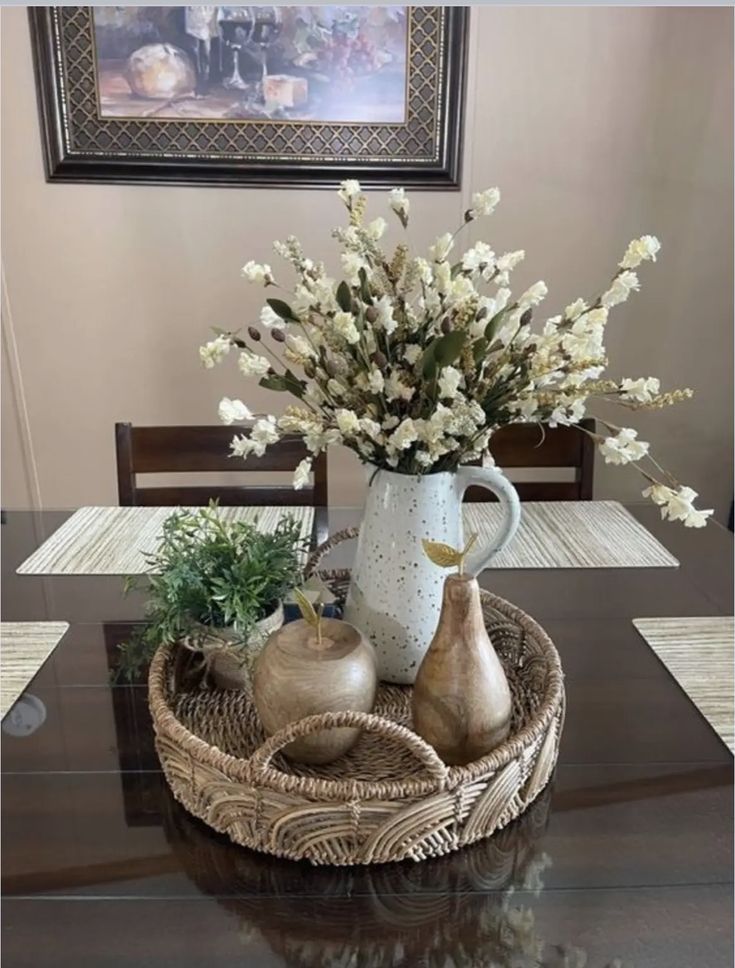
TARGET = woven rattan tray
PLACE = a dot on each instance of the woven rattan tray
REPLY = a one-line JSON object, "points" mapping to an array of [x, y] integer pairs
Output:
{"points": [[390, 798]]}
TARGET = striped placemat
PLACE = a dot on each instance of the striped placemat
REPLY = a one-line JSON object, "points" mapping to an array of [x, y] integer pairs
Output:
{"points": [[114, 541], [571, 534], [24, 647], [698, 652]]}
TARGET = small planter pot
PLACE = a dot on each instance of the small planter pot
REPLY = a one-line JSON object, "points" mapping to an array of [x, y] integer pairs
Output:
{"points": [[230, 661]]}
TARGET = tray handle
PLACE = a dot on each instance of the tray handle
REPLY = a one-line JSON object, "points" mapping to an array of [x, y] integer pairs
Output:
{"points": [[260, 761]]}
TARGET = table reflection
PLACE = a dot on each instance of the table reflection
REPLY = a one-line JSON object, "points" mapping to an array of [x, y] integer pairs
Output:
{"points": [[464, 909]]}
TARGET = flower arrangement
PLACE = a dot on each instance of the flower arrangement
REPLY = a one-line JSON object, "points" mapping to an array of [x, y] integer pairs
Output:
{"points": [[414, 362]]}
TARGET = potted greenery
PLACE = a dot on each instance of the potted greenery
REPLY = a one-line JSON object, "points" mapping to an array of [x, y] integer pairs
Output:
{"points": [[216, 587]]}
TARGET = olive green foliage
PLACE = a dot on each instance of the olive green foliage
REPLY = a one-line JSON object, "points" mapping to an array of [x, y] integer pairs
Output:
{"points": [[211, 573]]}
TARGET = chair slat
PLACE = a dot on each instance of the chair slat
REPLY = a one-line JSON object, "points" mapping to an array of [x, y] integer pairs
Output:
{"points": [[227, 496], [166, 450], [530, 445]]}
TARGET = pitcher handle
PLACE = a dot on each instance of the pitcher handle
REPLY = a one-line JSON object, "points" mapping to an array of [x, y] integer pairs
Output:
{"points": [[494, 480]]}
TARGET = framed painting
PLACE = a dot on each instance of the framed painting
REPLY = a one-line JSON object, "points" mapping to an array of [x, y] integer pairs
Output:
{"points": [[255, 95]]}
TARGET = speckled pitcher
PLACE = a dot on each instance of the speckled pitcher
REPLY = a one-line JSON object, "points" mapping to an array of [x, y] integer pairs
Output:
{"points": [[396, 592]]}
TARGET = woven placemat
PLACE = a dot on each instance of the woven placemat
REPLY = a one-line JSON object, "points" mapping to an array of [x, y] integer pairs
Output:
{"points": [[114, 541], [698, 652], [571, 534], [24, 647]]}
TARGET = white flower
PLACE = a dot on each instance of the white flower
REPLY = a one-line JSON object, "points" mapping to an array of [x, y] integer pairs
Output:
{"points": [[642, 390], [480, 256], [232, 411], [301, 474], [318, 439], [384, 307], [567, 414], [264, 432], [303, 301], [449, 381], [254, 272], [348, 422], [639, 250], [678, 505], [575, 309], [441, 248], [270, 319], [623, 448], [371, 428], [424, 271], [251, 364], [659, 494], [376, 228], [214, 351], [299, 346], [505, 264], [696, 518], [461, 290], [349, 191], [621, 288], [399, 203], [442, 279], [404, 435], [483, 203], [352, 263], [242, 446], [502, 297], [296, 421], [322, 290], [526, 407], [396, 389], [344, 324], [598, 317], [375, 381], [533, 295], [412, 353]]}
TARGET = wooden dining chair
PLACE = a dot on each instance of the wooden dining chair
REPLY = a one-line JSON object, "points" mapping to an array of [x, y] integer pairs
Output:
{"points": [[174, 450], [531, 446]]}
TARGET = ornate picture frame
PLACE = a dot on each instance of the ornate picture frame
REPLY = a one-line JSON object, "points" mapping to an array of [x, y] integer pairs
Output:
{"points": [[89, 135]]}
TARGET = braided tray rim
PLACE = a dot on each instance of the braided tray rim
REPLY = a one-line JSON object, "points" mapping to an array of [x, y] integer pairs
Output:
{"points": [[260, 800], [167, 724]]}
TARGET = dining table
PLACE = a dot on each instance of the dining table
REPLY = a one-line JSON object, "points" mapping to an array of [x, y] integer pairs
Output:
{"points": [[623, 861]]}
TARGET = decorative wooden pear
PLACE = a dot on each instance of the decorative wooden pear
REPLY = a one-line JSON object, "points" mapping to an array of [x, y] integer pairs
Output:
{"points": [[461, 699], [306, 669]]}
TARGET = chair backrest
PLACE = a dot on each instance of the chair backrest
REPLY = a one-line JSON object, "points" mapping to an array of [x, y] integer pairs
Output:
{"points": [[531, 446], [167, 450]]}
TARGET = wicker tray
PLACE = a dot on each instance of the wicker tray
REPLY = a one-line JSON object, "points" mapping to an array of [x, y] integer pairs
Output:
{"points": [[390, 798]]}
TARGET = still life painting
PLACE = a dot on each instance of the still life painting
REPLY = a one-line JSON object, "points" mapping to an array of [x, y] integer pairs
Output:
{"points": [[251, 95], [304, 63]]}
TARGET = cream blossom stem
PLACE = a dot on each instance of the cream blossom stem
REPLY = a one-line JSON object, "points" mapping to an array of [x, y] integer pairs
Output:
{"points": [[384, 402]]}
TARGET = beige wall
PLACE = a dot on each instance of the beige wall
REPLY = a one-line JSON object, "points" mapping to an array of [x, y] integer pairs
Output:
{"points": [[599, 124]]}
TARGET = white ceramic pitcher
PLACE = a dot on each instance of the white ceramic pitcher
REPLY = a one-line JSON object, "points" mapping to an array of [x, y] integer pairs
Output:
{"points": [[395, 593]]}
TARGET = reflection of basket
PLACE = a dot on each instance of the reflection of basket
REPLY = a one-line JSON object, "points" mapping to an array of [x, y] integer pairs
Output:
{"points": [[366, 915], [390, 798]]}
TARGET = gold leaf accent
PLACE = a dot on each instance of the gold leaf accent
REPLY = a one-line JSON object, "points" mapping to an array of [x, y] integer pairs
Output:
{"points": [[441, 554], [445, 555], [308, 612]]}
